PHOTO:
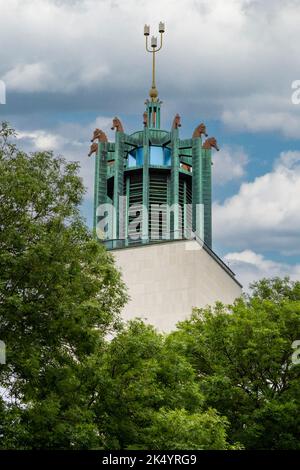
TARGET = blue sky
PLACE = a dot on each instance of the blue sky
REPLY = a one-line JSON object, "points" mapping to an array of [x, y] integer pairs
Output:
{"points": [[70, 66]]}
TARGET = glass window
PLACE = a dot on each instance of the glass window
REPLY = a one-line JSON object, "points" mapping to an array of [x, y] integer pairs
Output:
{"points": [[131, 160], [139, 156], [156, 156], [167, 156], [159, 156], [135, 157]]}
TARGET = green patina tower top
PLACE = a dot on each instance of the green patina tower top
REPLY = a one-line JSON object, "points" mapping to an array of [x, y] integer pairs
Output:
{"points": [[152, 185]]}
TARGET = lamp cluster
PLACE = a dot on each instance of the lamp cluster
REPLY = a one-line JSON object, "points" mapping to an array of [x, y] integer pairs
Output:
{"points": [[161, 29]]}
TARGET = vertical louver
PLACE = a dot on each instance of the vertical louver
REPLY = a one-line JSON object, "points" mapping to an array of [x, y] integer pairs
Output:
{"points": [[135, 210], [158, 195], [185, 202]]}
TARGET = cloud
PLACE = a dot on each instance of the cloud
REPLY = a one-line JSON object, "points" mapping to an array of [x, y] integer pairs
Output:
{"points": [[71, 140], [250, 266], [234, 60], [29, 77], [40, 140], [289, 160], [264, 214], [286, 123], [229, 164], [40, 77]]}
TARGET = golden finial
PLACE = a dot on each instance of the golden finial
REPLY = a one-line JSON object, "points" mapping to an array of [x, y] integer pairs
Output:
{"points": [[153, 93]]}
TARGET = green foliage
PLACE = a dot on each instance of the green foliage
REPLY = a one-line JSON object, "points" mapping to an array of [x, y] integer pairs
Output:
{"points": [[178, 429], [142, 375], [242, 355], [60, 294]]}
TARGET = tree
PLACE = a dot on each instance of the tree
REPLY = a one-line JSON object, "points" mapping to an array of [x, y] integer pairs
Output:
{"points": [[153, 400], [242, 355], [178, 429], [60, 295]]}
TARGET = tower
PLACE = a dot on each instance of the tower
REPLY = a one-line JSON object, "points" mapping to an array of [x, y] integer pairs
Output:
{"points": [[152, 188]]}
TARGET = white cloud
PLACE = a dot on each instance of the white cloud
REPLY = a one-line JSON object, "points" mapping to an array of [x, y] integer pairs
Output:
{"points": [[29, 77], [229, 164], [236, 59], [286, 123], [250, 266], [264, 214], [41, 140], [289, 160], [71, 140], [42, 77]]}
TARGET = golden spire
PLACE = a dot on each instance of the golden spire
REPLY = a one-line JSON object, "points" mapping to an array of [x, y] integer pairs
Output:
{"points": [[161, 28]]}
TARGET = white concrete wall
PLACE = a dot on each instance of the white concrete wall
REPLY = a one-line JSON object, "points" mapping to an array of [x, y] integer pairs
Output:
{"points": [[167, 280]]}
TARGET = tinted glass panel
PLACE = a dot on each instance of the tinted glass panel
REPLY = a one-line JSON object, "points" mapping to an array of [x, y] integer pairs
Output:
{"points": [[135, 157], [160, 156]]}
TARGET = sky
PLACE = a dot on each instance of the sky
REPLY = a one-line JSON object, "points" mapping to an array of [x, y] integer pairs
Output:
{"points": [[71, 65]]}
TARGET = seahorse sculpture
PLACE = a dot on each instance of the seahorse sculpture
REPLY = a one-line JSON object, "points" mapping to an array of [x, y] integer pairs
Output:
{"points": [[209, 143], [117, 125], [201, 129], [100, 135], [176, 122], [186, 167], [93, 149], [145, 119]]}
